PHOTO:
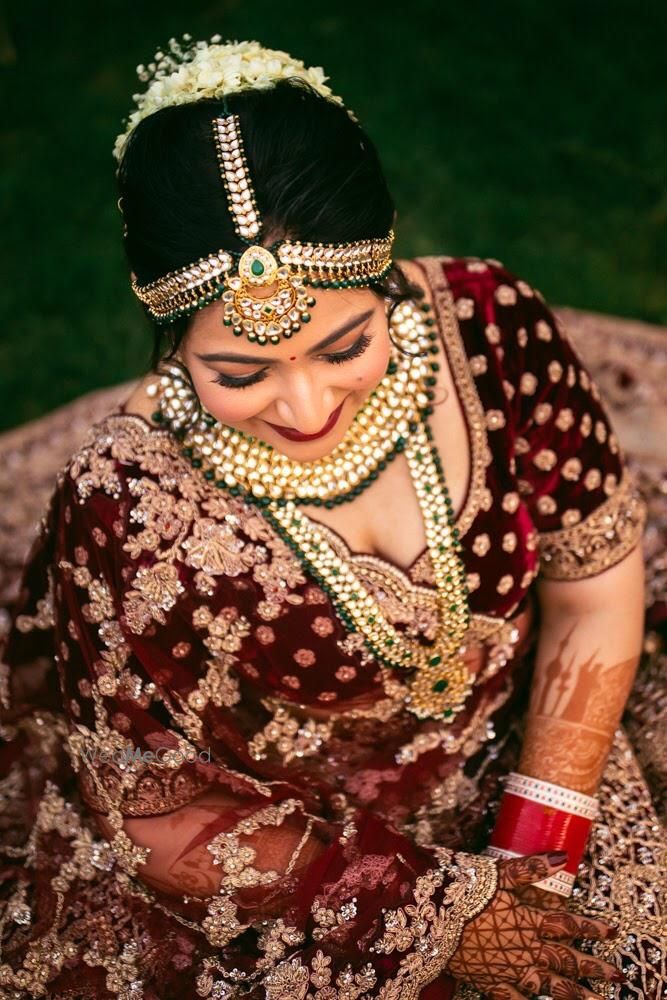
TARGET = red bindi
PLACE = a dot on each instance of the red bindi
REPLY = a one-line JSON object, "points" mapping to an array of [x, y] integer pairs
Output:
{"points": [[293, 358]]}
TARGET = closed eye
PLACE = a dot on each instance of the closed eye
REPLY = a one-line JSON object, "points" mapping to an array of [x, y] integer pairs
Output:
{"points": [[358, 348], [235, 382], [230, 382]]}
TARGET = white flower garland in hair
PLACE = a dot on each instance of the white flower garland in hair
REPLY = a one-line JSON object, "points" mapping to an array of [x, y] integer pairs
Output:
{"points": [[195, 70]]}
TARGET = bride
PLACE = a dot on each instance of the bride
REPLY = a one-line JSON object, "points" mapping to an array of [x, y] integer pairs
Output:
{"points": [[314, 684]]}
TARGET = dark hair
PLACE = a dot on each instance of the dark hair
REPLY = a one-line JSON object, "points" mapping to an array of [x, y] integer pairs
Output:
{"points": [[316, 176]]}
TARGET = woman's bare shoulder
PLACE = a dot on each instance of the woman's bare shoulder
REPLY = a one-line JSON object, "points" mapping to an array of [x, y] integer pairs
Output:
{"points": [[140, 402]]}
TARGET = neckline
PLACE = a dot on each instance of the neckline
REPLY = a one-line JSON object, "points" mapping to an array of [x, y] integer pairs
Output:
{"points": [[471, 407]]}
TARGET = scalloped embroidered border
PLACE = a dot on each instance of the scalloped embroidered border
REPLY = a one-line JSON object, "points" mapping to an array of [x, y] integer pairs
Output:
{"points": [[598, 542]]}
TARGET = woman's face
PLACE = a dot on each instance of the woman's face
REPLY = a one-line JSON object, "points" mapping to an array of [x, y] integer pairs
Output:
{"points": [[310, 384]]}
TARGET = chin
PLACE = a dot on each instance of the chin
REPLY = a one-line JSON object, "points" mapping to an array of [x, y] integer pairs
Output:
{"points": [[306, 451], [309, 451]]}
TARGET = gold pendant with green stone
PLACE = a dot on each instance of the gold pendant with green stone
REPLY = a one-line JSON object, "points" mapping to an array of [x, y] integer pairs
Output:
{"points": [[270, 318]]}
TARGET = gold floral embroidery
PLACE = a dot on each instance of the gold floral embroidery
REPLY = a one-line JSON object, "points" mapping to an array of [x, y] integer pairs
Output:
{"points": [[236, 859], [222, 925], [291, 737], [155, 590]]}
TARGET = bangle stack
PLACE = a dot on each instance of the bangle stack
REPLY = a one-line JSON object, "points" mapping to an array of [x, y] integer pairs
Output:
{"points": [[537, 816]]}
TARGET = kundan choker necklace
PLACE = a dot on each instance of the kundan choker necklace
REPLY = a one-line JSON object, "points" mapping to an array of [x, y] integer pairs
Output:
{"points": [[392, 420]]}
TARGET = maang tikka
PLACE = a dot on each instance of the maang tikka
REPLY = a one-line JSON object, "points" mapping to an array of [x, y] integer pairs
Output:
{"points": [[237, 276]]}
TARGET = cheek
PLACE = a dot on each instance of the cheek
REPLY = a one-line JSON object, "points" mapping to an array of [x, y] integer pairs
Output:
{"points": [[372, 367]]}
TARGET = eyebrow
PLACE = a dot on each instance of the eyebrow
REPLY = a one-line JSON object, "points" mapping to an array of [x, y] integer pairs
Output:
{"points": [[249, 359]]}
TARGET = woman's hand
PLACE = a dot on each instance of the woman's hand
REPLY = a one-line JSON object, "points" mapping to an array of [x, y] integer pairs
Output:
{"points": [[512, 949]]}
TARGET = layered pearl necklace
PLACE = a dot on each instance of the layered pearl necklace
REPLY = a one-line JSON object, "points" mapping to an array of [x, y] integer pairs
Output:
{"points": [[393, 419]]}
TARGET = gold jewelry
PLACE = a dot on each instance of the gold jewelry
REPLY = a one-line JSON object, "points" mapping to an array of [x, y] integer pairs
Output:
{"points": [[393, 419], [293, 265]]}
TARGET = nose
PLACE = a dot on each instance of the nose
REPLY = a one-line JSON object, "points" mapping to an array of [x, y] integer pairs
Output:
{"points": [[304, 403]]}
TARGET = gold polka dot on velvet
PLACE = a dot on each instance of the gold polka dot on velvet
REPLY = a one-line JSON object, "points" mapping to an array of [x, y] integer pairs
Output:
{"points": [[465, 308], [570, 517], [542, 413], [528, 384], [495, 419], [546, 505], [543, 331], [510, 502], [592, 479], [571, 469], [509, 541], [545, 459], [565, 419], [481, 544], [505, 295], [505, 584], [555, 371], [610, 483], [478, 364]]}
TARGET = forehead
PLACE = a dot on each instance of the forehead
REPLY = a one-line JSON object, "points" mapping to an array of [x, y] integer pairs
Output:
{"points": [[334, 308]]}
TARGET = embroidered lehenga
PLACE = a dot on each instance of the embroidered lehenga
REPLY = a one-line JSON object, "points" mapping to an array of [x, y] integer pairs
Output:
{"points": [[160, 614]]}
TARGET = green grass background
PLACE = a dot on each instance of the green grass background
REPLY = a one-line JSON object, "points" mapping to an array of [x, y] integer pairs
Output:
{"points": [[531, 132]]}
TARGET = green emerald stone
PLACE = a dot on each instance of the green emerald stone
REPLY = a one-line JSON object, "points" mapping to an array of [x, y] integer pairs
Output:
{"points": [[257, 268], [434, 660], [440, 685]]}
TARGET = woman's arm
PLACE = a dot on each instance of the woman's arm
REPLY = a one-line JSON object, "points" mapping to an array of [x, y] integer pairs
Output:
{"points": [[587, 655]]}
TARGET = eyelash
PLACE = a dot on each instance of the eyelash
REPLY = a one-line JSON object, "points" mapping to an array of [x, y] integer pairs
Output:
{"points": [[358, 348]]}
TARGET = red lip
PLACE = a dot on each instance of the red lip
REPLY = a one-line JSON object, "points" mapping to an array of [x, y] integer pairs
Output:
{"points": [[294, 435]]}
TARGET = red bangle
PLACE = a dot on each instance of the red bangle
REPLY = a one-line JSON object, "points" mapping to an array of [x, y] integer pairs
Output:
{"points": [[536, 816]]}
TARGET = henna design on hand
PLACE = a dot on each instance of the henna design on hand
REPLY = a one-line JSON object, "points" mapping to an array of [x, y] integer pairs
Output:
{"points": [[574, 710], [515, 872], [558, 988], [509, 949]]}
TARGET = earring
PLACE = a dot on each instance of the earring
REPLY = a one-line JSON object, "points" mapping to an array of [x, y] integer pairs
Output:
{"points": [[411, 336], [179, 404]]}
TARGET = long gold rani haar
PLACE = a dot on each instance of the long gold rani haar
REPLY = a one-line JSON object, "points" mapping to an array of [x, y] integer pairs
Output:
{"points": [[392, 420]]}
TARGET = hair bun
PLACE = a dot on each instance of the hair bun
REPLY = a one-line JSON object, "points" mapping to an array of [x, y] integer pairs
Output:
{"points": [[189, 71]]}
